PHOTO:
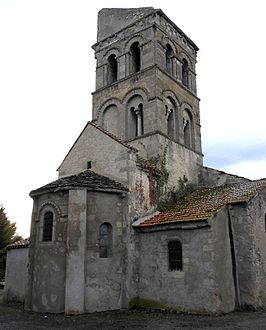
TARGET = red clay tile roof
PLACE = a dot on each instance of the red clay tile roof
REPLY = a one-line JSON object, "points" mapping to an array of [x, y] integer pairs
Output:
{"points": [[87, 178], [23, 243], [204, 202]]}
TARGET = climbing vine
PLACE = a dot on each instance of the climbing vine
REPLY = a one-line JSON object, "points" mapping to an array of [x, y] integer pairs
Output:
{"points": [[160, 161]]}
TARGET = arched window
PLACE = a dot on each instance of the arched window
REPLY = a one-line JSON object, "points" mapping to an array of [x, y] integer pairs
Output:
{"points": [[169, 58], [105, 240], [111, 69], [188, 128], [175, 255], [137, 115], [47, 233], [170, 113], [110, 119], [135, 57], [185, 69]]}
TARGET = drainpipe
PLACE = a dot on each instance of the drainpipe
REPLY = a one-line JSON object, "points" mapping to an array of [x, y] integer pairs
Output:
{"points": [[233, 257]]}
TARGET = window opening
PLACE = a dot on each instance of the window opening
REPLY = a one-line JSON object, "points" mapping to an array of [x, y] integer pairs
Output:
{"points": [[105, 240], [187, 126], [112, 69], [138, 122], [169, 57], [48, 226], [89, 165], [185, 69], [175, 255], [135, 55]]}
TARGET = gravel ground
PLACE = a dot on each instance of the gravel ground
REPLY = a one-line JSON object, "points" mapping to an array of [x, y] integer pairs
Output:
{"points": [[12, 316]]}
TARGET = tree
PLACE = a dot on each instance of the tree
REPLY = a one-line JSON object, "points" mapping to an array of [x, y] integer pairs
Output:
{"points": [[7, 236]]}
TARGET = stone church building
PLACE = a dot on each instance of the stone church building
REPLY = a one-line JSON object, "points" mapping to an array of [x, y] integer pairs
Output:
{"points": [[135, 219]]}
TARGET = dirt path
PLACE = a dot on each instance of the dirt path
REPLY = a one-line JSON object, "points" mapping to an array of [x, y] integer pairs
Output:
{"points": [[14, 317]]}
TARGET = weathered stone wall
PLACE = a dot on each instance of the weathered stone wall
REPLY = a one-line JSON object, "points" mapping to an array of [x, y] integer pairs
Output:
{"points": [[249, 229], [212, 177], [105, 277], [111, 20], [180, 162], [219, 254], [206, 281], [109, 157], [243, 224], [46, 286], [257, 210], [16, 274]]}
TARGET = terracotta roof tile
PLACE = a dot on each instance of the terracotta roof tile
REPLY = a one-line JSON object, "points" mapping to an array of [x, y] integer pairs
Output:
{"points": [[86, 178], [205, 202]]}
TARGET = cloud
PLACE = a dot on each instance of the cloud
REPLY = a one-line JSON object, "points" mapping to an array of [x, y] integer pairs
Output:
{"points": [[252, 169], [244, 157]]}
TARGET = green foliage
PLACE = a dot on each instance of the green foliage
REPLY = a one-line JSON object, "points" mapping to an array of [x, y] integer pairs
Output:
{"points": [[7, 236], [176, 195], [160, 162], [139, 303]]}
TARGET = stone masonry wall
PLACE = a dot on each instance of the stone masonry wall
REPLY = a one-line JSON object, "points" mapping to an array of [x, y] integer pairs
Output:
{"points": [[105, 277], [16, 274], [46, 289]]}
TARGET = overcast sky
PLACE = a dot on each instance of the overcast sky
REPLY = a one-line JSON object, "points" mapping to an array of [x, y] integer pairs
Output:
{"points": [[47, 74]]}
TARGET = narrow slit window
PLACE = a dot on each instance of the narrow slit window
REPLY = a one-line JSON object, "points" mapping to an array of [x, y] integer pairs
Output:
{"points": [[48, 226], [169, 58], [185, 70], [175, 255], [105, 240], [112, 69], [89, 165], [135, 57]]}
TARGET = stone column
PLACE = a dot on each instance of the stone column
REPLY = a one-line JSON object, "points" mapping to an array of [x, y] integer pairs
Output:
{"points": [[121, 61], [76, 252]]}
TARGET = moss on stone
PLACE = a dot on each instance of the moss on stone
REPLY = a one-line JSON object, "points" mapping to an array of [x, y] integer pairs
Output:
{"points": [[150, 304]]}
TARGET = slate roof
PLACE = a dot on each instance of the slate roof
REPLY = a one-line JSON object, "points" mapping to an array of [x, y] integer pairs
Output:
{"points": [[204, 202], [23, 243], [86, 179]]}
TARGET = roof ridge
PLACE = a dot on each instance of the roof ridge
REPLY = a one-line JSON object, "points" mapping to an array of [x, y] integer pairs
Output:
{"points": [[111, 135], [92, 180]]}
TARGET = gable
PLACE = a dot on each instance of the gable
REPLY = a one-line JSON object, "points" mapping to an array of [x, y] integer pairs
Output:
{"points": [[108, 154]]}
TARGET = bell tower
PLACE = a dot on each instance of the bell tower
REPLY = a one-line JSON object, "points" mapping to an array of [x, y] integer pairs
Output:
{"points": [[146, 87]]}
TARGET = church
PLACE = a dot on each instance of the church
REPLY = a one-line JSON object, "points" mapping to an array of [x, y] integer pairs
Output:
{"points": [[135, 219]]}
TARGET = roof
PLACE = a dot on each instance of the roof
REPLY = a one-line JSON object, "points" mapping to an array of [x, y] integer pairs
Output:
{"points": [[23, 243], [204, 202], [87, 179], [112, 136]]}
